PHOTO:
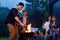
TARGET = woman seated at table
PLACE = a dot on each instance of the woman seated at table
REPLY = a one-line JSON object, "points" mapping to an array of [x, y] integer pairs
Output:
{"points": [[46, 25]]}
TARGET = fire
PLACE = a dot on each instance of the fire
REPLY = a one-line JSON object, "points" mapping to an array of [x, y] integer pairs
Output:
{"points": [[28, 28]]}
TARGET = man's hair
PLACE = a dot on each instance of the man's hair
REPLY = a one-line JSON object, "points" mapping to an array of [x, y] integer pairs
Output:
{"points": [[20, 4], [54, 16]]}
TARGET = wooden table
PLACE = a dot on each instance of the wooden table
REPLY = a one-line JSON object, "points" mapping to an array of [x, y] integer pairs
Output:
{"points": [[31, 34]]}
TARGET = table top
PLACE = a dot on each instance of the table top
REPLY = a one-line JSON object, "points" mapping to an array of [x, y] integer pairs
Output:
{"points": [[36, 34]]}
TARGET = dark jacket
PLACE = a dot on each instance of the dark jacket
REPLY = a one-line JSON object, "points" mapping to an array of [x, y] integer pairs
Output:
{"points": [[27, 22], [55, 26]]}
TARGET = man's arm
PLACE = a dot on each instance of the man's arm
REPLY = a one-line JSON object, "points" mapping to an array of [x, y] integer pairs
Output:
{"points": [[17, 19], [14, 13]]}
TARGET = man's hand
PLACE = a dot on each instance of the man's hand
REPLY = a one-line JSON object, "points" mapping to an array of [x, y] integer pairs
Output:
{"points": [[18, 20], [22, 24]]}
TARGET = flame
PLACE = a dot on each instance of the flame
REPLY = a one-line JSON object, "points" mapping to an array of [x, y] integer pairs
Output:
{"points": [[28, 28]]}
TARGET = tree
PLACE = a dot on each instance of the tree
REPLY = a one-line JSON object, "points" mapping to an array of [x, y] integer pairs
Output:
{"points": [[38, 11], [3, 28]]}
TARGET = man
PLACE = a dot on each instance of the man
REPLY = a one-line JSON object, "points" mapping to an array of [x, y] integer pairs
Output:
{"points": [[54, 27], [54, 23], [25, 20], [11, 19]]}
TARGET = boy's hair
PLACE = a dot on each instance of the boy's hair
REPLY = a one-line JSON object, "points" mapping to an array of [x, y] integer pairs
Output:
{"points": [[23, 11]]}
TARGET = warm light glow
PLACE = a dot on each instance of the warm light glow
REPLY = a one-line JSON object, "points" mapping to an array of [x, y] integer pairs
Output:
{"points": [[28, 28]]}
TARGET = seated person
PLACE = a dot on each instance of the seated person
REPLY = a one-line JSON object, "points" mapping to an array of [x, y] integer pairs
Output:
{"points": [[46, 25], [54, 23], [54, 29]]}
